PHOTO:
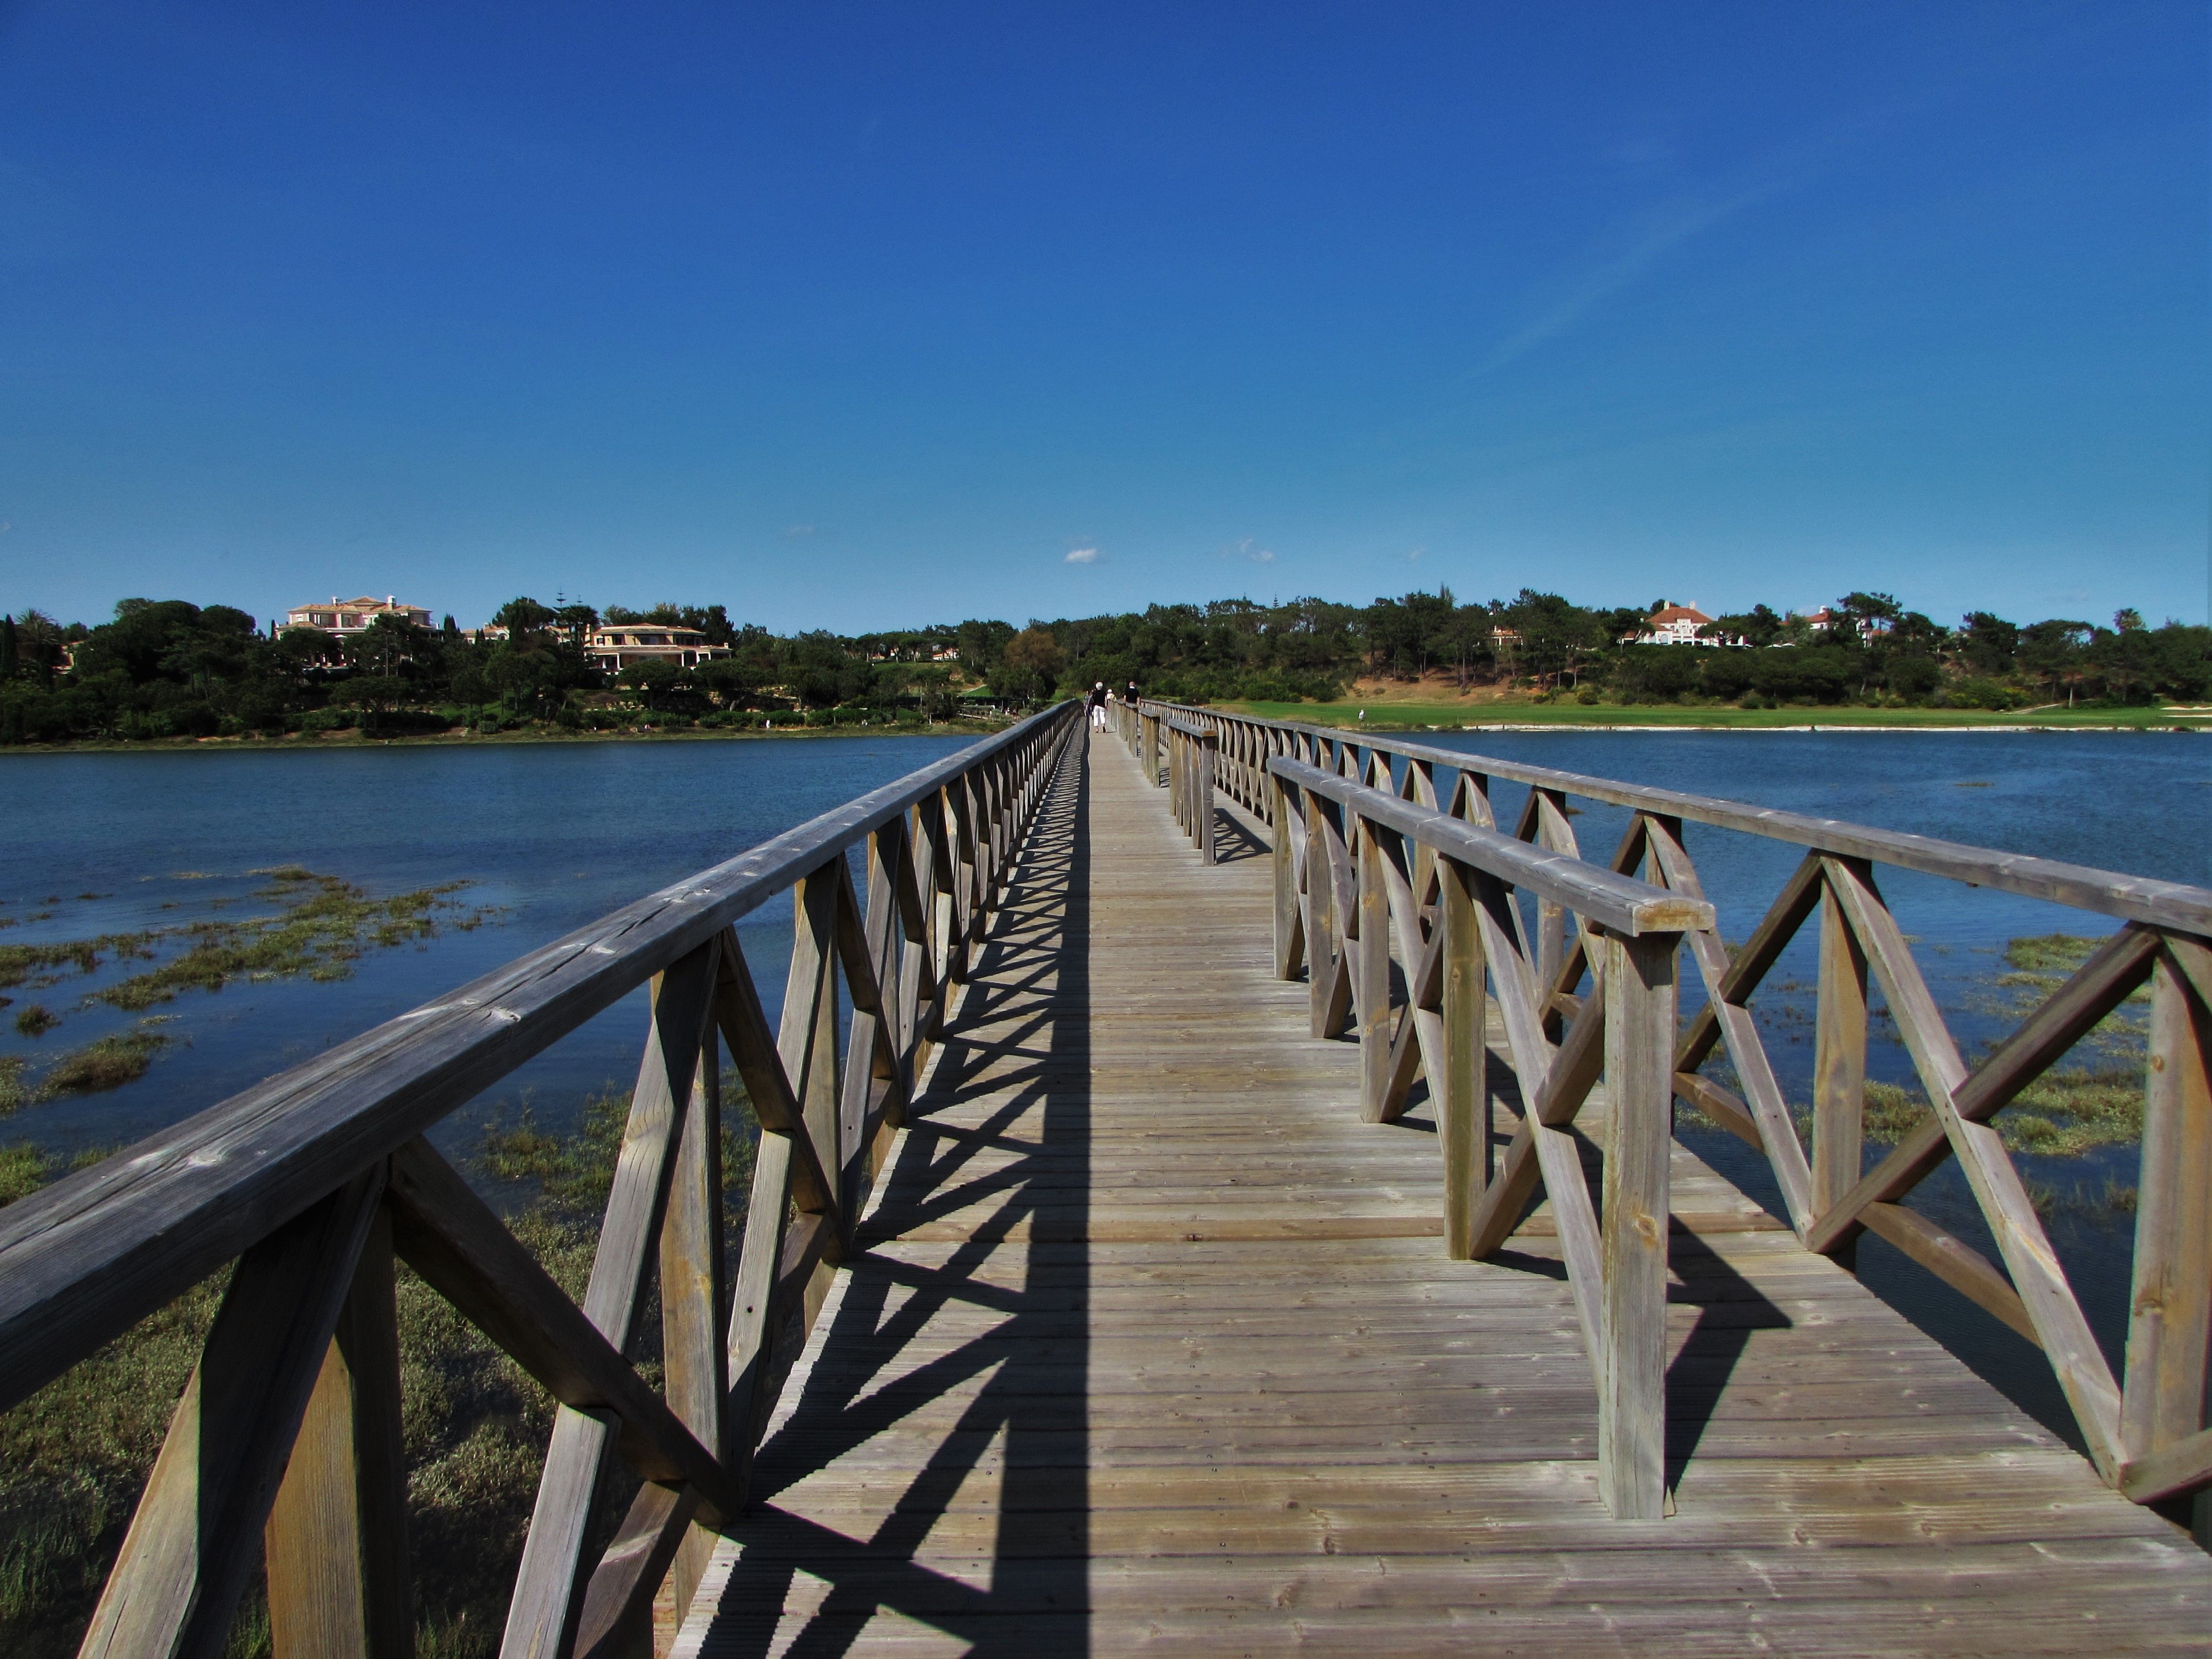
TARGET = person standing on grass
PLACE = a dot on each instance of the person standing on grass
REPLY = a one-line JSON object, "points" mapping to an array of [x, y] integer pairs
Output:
{"points": [[1098, 707]]}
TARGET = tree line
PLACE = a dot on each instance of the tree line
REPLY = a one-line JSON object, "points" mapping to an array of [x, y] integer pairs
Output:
{"points": [[170, 668]]}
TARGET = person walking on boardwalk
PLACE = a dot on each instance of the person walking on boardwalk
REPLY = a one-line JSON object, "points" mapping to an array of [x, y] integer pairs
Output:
{"points": [[1097, 700]]}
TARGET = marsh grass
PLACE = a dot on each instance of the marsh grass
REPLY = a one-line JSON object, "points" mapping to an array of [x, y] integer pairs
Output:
{"points": [[323, 924], [107, 1063], [320, 926], [73, 1456]]}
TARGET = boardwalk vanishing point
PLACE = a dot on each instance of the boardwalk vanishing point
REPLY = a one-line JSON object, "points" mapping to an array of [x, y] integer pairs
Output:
{"points": [[1088, 1302]]}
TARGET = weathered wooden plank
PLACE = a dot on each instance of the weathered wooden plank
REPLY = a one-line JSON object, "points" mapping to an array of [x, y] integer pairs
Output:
{"points": [[1463, 1121], [1839, 1041], [2170, 1322], [542, 1619], [1728, 983], [192, 1542], [2112, 971], [1638, 1011], [336, 1542], [451, 1237], [753, 1052], [2060, 1325]]}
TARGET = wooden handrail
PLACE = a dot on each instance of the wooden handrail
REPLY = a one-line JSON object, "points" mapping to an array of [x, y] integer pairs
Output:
{"points": [[1620, 903], [1337, 881], [2084, 887], [87, 1258], [1364, 880], [317, 1177]]}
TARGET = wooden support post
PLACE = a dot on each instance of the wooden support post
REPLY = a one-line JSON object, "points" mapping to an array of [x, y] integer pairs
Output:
{"points": [[1463, 1096], [694, 1293], [1322, 943], [199, 1527], [2171, 1320], [1838, 1066], [545, 1616], [1546, 825], [1372, 963], [1175, 778], [1639, 1039], [336, 1542], [1205, 757], [1289, 936], [806, 1037]]}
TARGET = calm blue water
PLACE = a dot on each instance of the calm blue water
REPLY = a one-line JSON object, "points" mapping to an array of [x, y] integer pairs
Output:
{"points": [[551, 836], [554, 836]]}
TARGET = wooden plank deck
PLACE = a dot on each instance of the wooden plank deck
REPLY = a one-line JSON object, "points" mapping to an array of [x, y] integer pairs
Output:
{"points": [[1156, 1348]]}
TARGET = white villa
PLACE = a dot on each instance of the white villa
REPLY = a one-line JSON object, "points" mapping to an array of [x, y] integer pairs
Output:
{"points": [[1675, 624], [353, 615], [631, 643]]}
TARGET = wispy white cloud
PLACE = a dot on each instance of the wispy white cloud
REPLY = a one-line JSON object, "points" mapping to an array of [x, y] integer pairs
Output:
{"points": [[1083, 555], [1664, 230], [1248, 547], [1414, 557], [798, 532], [1670, 223]]}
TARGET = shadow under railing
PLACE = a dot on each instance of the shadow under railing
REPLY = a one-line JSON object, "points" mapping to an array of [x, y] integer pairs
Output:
{"points": [[1011, 1077]]}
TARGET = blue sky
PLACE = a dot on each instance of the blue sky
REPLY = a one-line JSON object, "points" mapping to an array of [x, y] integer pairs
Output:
{"points": [[858, 316]]}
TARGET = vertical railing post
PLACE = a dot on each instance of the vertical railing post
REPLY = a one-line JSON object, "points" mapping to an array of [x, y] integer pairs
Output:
{"points": [[1149, 758], [1838, 1063], [1463, 1110], [1204, 762], [695, 1293], [1371, 968], [336, 1542], [1640, 1036], [1320, 918], [1289, 939], [2164, 1399]]}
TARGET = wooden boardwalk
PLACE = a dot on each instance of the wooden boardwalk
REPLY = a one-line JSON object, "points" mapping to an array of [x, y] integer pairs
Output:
{"points": [[1156, 1347]]}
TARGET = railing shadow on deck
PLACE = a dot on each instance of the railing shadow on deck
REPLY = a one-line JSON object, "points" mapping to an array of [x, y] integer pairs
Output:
{"points": [[1025, 1011]]}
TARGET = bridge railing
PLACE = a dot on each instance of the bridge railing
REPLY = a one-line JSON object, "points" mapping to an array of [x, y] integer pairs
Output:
{"points": [[1192, 750], [2146, 1428], [1358, 871], [285, 1447]]}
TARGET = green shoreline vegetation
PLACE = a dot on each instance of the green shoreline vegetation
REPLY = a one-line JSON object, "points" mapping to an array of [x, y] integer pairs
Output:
{"points": [[320, 926], [73, 1456], [173, 671]]}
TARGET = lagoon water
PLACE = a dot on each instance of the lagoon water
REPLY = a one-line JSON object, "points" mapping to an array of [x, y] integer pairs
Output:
{"points": [[553, 836]]}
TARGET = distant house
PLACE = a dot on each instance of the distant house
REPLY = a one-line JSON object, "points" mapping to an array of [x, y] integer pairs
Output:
{"points": [[490, 634], [1674, 624], [343, 616], [1822, 620], [617, 648]]}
